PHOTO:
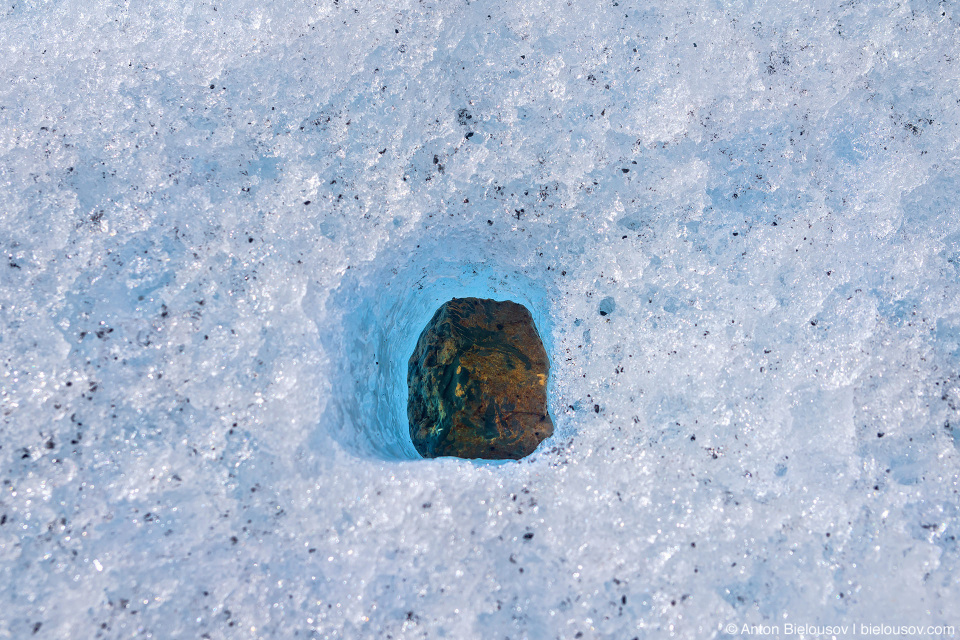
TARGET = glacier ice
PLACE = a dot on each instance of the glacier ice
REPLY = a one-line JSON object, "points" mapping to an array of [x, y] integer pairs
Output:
{"points": [[223, 227]]}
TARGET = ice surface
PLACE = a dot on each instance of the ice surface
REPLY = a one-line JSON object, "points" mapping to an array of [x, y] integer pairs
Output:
{"points": [[224, 225]]}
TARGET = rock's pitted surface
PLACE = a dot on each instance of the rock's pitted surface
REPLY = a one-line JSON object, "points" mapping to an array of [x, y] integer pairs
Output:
{"points": [[477, 382]]}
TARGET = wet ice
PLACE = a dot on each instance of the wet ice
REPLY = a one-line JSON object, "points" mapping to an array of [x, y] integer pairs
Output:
{"points": [[224, 227]]}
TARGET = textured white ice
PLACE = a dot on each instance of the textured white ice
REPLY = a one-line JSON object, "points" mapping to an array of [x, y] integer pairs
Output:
{"points": [[223, 226]]}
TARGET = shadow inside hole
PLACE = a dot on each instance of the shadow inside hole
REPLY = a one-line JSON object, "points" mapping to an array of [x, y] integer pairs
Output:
{"points": [[383, 307]]}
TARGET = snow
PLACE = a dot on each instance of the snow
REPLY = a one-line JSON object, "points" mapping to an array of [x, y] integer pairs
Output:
{"points": [[223, 228]]}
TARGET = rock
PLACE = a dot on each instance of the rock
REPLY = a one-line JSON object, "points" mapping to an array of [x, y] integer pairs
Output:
{"points": [[477, 382]]}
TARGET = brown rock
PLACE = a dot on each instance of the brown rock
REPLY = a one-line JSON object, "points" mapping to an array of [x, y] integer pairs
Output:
{"points": [[477, 382]]}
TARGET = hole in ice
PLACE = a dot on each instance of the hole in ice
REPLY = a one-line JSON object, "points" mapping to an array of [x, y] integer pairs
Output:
{"points": [[382, 308]]}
